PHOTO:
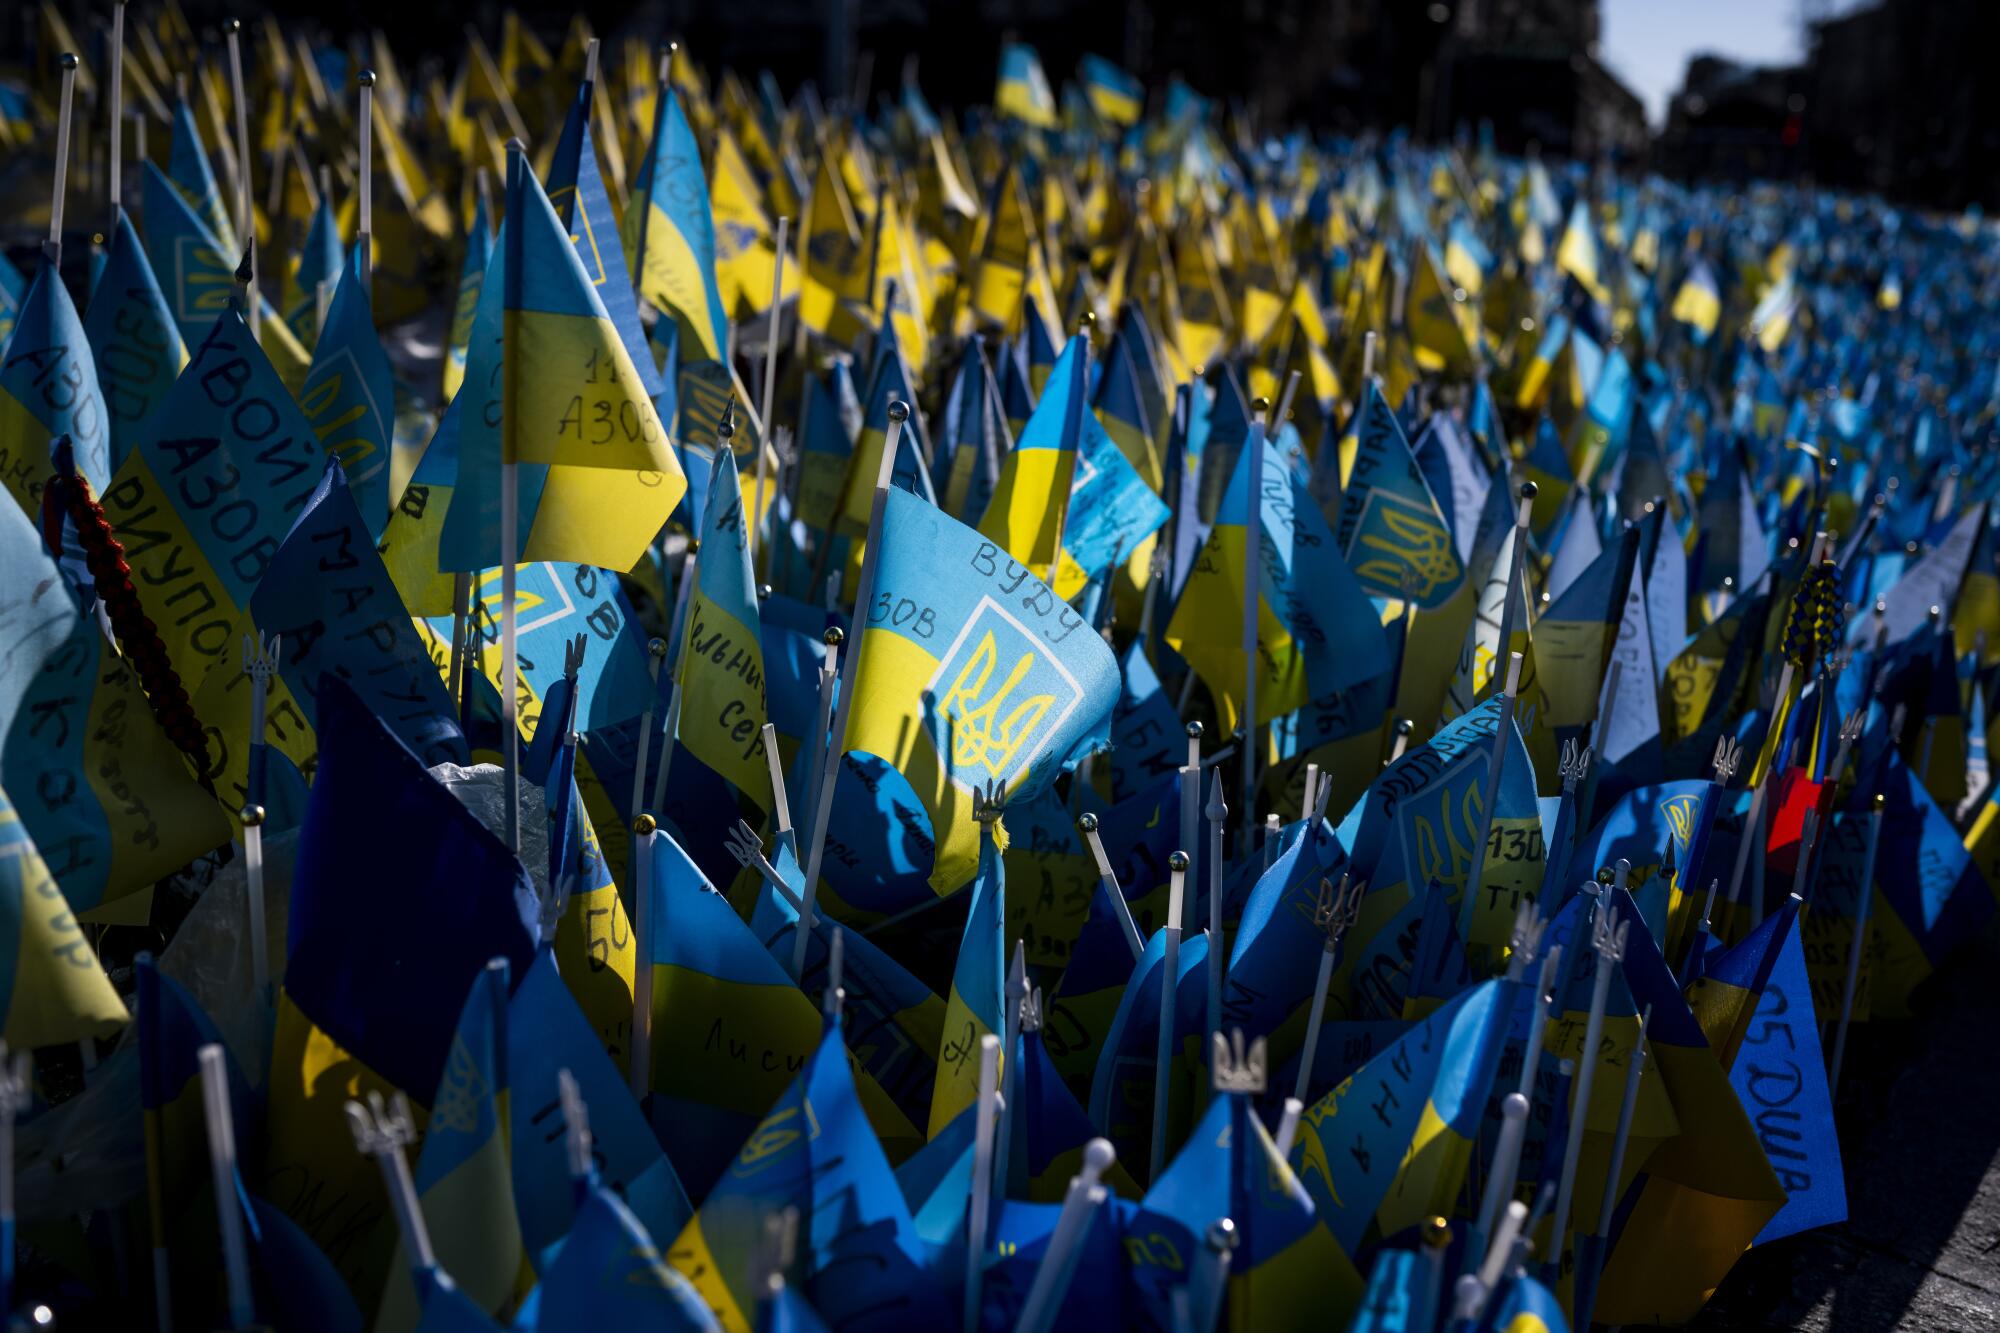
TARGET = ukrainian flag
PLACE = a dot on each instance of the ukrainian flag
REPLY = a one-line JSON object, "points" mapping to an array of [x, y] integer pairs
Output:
{"points": [[1023, 93], [194, 178], [971, 672], [48, 387], [133, 342], [813, 1151], [674, 234], [1023, 517], [1122, 407], [722, 708], [974, 1009], [1286, 1272], [52, 990], [1698, 303], [1391, 528], [350, 397], [97, 783], [1400, 1153], [320, 260], [599, 477], [609, 1272], [471, 281], [728, 1023], [1116, 96], [1317, 632], [464, 1178], [1577, 252]]}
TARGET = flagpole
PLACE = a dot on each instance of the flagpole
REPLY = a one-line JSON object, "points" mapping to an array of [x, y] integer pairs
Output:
{"points": [[54, 248], [661, 90], [1335, 912], [1253, 558], [1586, 1296], [16, 1096], [1864, 893], [222, 1168], [1087, 825], [364, 238], [382, 1129], [510, 485], [246, 218], [1080, 1204], [1608, 942], [829, 673], [639, 1068], [461, 602], [982, 1175], [864, 588], [1495, 767], [1163, 1051], [1216, 812], [260, 663], [757, 538], [1191, 810], [683, 608], [117, 174], [1010, 1023], [1524, 509], [656, 655]]}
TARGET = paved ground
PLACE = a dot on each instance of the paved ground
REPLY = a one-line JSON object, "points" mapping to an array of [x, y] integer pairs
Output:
{"points": [[1919, 1115]]}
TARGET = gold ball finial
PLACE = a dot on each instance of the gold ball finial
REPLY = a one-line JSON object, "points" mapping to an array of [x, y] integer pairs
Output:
{"points": [[1437, 1233], [644, 825], [252, 815], [1178, 862], [834, 636]]}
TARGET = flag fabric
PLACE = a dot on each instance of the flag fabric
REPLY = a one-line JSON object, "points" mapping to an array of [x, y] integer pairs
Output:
{"points": [[349, 396], [973, 1010], [134, 343], [48, 387], [672, 234], [722, 709], [1019, 517], [970, 672]]}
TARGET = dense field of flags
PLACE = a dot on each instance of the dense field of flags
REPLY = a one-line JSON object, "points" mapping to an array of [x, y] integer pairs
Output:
{"points": [[631, 701]]}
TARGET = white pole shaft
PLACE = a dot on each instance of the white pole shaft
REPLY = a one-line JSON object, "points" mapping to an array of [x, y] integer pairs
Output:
{"points": [[982, 1177], [1288, 1126], [829, 674], [640, 1067], [1507, 1157], [253, 888], [683, 610], [1217, 956], [1253, 555], [781, 805], [1314, 1018], [1190, 826], [246, 221], [850, 667], [645, 739], [1163, 1051], [1109, 878], [461, 606], [117, 176], [1079, 1203], [1586, 1075], [62, 159], [365, 230], [222, 1164]]}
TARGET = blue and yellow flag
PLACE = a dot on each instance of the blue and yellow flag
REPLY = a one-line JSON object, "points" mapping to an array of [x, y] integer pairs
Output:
{"points": [[471, 281], [97, 785], [1390, 528], [1286, 1271], [52, 990], [720, 1003], [558, 396], [889, 381], [133, 342], [12, 288], [1317, 632], [1023, 92], [671, 232], [547, 1034], [329, 602], [974, 1009], [722, 711], [971, 672], [1023, 516], [194, 178], [1400, 1153], [814, 1151], [320, 261], [48, 387], [464, 1177], [609, 1273], [576, 189], [1577, 252], [1115, 95], [1698, 303], [350, 397]]}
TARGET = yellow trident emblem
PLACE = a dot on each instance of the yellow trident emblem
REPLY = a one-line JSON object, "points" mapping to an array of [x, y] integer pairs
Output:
{"points": [[981, 737]]}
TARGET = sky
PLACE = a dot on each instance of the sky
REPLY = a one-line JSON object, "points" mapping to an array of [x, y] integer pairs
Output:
{"points": [[1648, 42]]}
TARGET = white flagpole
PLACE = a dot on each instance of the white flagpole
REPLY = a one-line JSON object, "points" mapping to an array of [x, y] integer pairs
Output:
{"points": [[260, 663], [510, 485], [1608, 940], [1217, 812], [1163, 1053], [1080, 1204], [1253, 557], [246, 217], [781, 805], [1087, 826], [1336, 911], [899, 412], [382, 1130], [461, 606], [1010, 1043], [656, 654], [683, 608], [1510, 601], [982, 1176], [117, 174], [222, 1165], [757, 538], [364, 239], [1514, 1107], [1211, 1274], [640, 1067], [68, 96], [1191, 813], [829, 675], [1626, 1106]]}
